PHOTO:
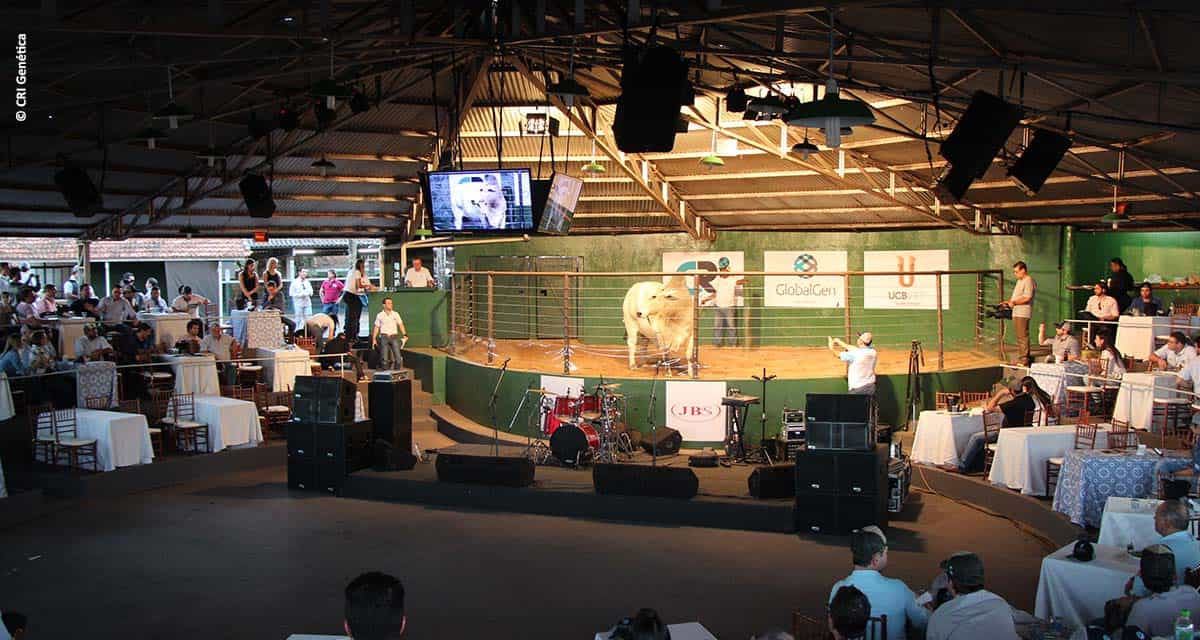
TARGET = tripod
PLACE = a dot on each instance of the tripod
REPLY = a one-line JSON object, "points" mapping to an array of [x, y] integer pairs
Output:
{"points": [[916, 359], [760, 455]]}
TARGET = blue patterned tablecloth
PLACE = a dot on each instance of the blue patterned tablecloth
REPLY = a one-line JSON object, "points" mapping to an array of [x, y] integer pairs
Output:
{"points": [[1089, 477], [96, 379]]}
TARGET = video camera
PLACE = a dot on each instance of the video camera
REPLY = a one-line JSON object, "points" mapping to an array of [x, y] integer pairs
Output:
{"points": [[998, 311]]}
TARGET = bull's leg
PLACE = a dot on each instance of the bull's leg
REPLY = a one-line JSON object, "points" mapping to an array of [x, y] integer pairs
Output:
{"points": [[631, 338]]}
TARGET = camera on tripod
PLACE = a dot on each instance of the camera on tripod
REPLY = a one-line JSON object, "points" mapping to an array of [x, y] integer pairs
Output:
{"points": [[998, 311]]}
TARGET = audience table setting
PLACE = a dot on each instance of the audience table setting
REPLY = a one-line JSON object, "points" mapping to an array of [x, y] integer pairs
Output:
{"points": [[195, 374], [231, 422], [282, 365], [1055, 377], [70, 330], [1089, 477], [1022, 452], [167, 327], [1129, 521], [96, 379], [1135, 334], [122, 439], [942, 435], [1135, 399], [257, 329], [1076, 591]]}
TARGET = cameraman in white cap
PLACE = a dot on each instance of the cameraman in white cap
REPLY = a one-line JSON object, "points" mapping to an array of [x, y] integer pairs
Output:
{"points": [[860, 371]]}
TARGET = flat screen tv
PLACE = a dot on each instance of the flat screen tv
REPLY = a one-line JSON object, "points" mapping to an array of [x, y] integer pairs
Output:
{"points": [[493, 201], [559, 213]]}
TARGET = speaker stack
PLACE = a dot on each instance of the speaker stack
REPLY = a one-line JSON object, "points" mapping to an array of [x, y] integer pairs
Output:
{"points": [[325, 444], [391, 413], [257, 194], [842, 475], [323, 399]]}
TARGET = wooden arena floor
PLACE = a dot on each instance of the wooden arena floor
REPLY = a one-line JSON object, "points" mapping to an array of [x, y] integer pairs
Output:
{"points": [[716, 362]]}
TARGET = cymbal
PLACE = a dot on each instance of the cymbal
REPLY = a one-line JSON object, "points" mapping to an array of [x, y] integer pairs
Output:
{"points": [[540, 392], [609, 385], [566, 418]]}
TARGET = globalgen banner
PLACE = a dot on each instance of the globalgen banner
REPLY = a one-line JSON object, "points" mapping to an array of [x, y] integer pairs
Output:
{"points": [[802, 290], [905, 291], [694, 408], [706, 263]]}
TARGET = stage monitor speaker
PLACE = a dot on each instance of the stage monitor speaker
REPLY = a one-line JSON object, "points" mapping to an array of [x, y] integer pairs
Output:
{"points": [[839, 407], [390, 406], [980, 133], [773, 481], [79, 191], [668, 441], [642, 480], [508, 471], [257, 194], [323, 399], [653, 85], [1043, 154], [851, 473], [821, 513]]}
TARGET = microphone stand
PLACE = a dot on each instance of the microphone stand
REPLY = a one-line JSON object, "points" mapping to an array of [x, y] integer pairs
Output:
{"points": [[650, 416], [762, 429], [492, 408]]}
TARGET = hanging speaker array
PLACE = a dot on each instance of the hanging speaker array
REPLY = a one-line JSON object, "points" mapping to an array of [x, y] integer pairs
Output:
{"points": [[975, 141]]}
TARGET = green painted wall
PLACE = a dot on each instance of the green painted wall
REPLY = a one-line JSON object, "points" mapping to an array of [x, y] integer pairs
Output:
{"points": [[430, 370], [426, 314], [1168, 254]]}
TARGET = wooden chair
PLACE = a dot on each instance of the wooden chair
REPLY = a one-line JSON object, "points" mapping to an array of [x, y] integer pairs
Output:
{"points": [[1082, 397], [992, 421], [158, 408], [942, 400], [1120, 436], [249, 374], [41, 427], [1085, 438], [102, 403], [974, 397], [189, 434], [308, 344], [78, 450], [276, 409]]}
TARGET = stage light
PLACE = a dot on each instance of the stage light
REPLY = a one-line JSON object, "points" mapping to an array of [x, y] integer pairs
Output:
{"points": [[805, 149], [172, 114], [288, 118], [771, 105], [568, 90], [150, 136], [324, 166], [831, 114], [328, 91], [539, 124]]}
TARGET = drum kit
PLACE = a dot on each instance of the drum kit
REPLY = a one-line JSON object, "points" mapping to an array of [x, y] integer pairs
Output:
{"points": [[583, 429]]}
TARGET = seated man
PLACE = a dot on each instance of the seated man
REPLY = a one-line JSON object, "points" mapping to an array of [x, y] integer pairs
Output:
{"points": [[188, 302], [1155, 613], [1176, 354], [1171, 522], [91, 345], [1145, 304], [888, 596], [86, 303], [115, 311], [973, 612], [274, 300], [849, 613], [136, 347], [221, 346], [155, 302], [1063, 346], [375, 607], [1026, 399], [46, 305]]}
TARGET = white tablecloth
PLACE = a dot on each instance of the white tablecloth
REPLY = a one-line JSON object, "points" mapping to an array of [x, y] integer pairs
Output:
{"points": [[1135, 399], [281, 366], [1022, 452], [1076, 591], [1054, 377], [1128, 520], [168, 327], [3, 491], [70, 330], [230, 422], [360, 413], [941, 436], [96, 379], [194, 374], [6, 401], [257, 329], [122, 439]]}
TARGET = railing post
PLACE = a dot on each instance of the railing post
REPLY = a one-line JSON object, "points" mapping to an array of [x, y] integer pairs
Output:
{"points": [[978, 308], [566, 353], [694, 366], [1000, 296], [941, 337], [454, 326], [846, 305], [491, 320]]}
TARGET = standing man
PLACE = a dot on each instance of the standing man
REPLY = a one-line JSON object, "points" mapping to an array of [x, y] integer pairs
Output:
{"points": [[188, 302], [70, 287], [300, 291], [860, 369], [724, 297], [388, 328], [1021, 304], [418, 276], [331, 293]]}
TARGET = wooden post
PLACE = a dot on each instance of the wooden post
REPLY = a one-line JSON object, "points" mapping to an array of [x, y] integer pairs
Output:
{"points": [[566, 354], [1000, 291], [491, 320], [846, 304], [978, 308], [694, 367], [454, 326], [941, 337]]}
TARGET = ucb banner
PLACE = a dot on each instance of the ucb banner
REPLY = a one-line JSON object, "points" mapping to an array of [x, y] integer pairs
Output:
{"points": [[706, 264], [905, 290], [805, 290], [694, 408]]}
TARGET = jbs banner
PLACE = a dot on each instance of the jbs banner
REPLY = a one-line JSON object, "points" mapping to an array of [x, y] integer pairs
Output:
{"points": [[706, 264], [694, 408], [805, 290], [905, 291]]}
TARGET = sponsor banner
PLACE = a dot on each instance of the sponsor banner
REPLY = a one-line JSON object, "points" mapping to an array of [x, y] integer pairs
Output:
{"points": [[905, 291], [694, 408], [804, 291], [706, 264]]}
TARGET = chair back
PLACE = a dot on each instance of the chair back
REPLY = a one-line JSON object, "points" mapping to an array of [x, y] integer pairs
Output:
{"points": [[992, 421], [1085, 435], [160, 404], [64, 423], [185, 406], [97, 402], [1120, 436], [130, 406], [941, 400], [41, 420], [972, 397], [308, 344], [1095, 367]]}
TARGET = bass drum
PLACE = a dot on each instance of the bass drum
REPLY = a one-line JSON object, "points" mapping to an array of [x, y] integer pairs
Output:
{"points": [[574, 444]]}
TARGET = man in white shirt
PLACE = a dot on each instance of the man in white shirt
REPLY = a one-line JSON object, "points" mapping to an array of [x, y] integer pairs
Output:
{"points": [[418, 276], [1155, 613], [301, 291], [1174, 355], [888, 596], [389, 328], [91, 345], [1021, 304], [155, 303], [860, 359], [115, 310], [188, 302], [320, 327], [46, 305], [974, 613], [1172, 522], [217, 343], [724, 298], [1102, 306], [70, 287]]}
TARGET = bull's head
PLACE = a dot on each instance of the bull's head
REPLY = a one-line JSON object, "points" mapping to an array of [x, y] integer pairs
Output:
{"points": [[669, 306]]}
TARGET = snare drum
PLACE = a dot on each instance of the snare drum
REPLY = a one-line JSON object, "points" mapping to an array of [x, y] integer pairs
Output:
{"points": [[574, 444]]}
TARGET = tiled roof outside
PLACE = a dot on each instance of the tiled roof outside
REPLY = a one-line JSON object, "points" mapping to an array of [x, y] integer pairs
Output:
{"points": [[62, 250]]}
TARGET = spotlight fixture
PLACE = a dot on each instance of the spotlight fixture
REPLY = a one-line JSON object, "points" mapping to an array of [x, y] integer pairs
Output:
{"points": [[359, 103], [736, 100], [751, 115], [288, 118], [172, 113], [805, 149], [539, 124], [772, 105], [328, 90], [567, 89], [324, 166], [150, 136]]}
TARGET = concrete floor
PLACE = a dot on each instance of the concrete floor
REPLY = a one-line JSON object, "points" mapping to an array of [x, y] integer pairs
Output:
{"points": [[240, 557]]}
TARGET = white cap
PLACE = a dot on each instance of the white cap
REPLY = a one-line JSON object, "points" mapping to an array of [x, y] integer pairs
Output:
{"points": [[866, 337]]}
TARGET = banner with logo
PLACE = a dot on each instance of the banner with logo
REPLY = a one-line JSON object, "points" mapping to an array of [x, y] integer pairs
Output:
{"points": [[905, 291], [706, 264], [694, 408], [804, 291]]}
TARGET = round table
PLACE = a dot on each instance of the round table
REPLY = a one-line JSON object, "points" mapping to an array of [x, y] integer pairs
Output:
{"points": [[942, 436]]}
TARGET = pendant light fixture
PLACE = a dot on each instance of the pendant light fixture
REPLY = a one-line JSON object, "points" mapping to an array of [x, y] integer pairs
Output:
{"points": [[1120, 210], [712, 161], [567, 89], [324, 166], [831, 114], [328, 88], [171, 113], [806, 148], [592, 166]]}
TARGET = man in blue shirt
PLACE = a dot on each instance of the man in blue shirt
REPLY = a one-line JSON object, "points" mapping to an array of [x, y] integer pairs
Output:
{"points": [[1145, 304], [888, 596], [1171, 522]]}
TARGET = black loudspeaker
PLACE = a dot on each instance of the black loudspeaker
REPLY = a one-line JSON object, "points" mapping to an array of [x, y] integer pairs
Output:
{"points": [[653, 84], [820, 513], [642, 480], [391, 411], [976, 139], [851, 473], [323, 399], [668, 441], [773, 481], [79, 191], [257, 194], [839, 407], [1044, 152], [320, 456], [840, 421], [508, 471]]}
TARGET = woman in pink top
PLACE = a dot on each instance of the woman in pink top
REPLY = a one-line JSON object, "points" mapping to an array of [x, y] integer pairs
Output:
{"points": [[331, 293]]}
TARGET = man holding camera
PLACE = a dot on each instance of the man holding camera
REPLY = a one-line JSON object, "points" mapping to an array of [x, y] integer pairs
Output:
{"points": [[1021, 304]]}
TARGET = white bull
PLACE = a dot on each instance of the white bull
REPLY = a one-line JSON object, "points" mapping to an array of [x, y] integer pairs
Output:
{"points": [[663, 313]]}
